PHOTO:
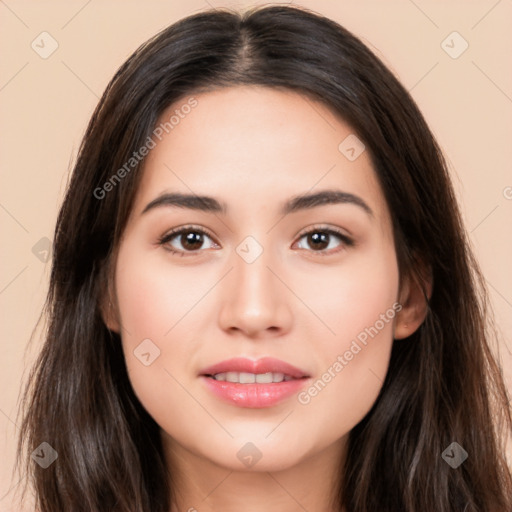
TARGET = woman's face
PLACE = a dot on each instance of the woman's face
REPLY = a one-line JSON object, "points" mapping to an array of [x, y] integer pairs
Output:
{"points": [[260, 275]]}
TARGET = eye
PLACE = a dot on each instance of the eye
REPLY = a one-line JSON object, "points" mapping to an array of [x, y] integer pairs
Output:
{"points": [[190, 238], [322, 239]]}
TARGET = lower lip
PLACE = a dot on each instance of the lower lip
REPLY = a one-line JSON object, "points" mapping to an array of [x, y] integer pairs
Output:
{"points": [[254, 395]]}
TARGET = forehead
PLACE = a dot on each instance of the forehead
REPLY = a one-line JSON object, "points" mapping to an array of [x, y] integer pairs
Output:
{"points": [[253, 144]]}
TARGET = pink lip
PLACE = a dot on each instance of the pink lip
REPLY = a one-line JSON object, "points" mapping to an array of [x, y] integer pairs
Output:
{"points": [[254, 395], [263, 365]]}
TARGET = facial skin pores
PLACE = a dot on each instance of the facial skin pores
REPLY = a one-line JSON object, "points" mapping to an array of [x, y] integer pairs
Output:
{"points": [[250, 279]]}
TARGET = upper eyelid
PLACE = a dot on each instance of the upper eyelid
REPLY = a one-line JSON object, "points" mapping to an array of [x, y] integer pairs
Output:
{"points": [[181, 229], [321, 227]]}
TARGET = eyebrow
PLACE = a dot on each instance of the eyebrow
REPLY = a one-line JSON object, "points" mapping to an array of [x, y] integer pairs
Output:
{"points": [[302, 202]]}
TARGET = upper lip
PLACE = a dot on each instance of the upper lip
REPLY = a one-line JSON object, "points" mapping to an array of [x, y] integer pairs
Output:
{"points": [[263, 365]]}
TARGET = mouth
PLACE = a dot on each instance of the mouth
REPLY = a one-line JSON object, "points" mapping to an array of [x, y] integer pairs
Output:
{"points": [[254, 384], [251, 378], [243, 368]]}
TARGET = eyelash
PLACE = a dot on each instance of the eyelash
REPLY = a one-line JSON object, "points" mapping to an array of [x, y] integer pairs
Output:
{"points": [[165, 239]]}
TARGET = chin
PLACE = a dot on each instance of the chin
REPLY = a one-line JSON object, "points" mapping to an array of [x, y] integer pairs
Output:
{"points": [[258, 454]]}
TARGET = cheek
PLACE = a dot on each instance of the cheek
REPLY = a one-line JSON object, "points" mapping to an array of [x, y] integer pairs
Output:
{"points": [[154, 328], [359, 310], [155, 297], [353, 295]]}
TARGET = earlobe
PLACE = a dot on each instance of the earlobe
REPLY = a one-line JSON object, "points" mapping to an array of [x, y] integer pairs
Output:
{"points": [[414, 297]]}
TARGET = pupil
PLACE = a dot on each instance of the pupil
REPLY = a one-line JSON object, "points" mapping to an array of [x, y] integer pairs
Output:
{"points": [[192, 238], [319, 239]]}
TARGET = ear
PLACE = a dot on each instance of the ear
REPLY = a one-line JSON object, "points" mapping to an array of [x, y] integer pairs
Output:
{"points": [[108, 305], [110, 315], [415, 293]]}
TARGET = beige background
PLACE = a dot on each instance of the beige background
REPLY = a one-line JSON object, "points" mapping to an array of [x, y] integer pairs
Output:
{"points": [[46, 103]]}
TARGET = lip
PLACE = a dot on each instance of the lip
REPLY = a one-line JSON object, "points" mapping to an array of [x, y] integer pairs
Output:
{"points": [[254, 395], [263, 365]]}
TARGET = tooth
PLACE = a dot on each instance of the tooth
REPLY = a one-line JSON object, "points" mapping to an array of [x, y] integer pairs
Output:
{"points": [[232, 377], [250, 378], [247, 378], [264, 378]]}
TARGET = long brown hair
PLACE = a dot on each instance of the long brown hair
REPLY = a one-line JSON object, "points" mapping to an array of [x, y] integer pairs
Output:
{"points": [[443, 383]]}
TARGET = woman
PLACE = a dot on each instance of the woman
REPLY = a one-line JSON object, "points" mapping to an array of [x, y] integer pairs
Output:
{"points": [[262, 295]]}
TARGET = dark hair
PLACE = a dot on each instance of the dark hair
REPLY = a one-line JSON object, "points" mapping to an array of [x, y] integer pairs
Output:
{"points": [[443, 383]]}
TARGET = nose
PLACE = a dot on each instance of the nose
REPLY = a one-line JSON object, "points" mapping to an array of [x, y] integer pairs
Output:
{"points": [[255, 301]]}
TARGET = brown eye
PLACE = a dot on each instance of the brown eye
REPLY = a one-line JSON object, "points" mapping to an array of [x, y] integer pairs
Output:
{"points": [[320, 240], [185, 240], [191, 240]]}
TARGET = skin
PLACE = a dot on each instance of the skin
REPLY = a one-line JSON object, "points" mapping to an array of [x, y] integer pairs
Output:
{"points": [[254, 148]]}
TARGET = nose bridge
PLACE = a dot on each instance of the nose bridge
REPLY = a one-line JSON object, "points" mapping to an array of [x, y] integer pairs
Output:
{"points": [[254, 300], [255, 286]]}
